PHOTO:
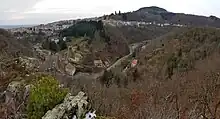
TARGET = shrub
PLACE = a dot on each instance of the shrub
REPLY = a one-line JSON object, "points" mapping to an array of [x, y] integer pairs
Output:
{"points": [[179, 63], [44, 95], [171, 65], [114, 76], [106, 78]]}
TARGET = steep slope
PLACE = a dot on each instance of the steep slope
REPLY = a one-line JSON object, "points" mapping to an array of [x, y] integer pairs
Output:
{"points": [[11, 65], [182, 74], [177, 76], [105, 43], [181, 51], [10, 46], [109, 43]]}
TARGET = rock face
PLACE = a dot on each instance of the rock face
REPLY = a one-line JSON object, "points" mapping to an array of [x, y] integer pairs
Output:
{"points": [[11, 93], [15, 96], [75, 55], [70, 102], [70, 69], [14, 86], [76, 58], [17, 90]]}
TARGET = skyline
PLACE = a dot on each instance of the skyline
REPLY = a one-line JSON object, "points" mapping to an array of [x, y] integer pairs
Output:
{"points": [[44, 11]]}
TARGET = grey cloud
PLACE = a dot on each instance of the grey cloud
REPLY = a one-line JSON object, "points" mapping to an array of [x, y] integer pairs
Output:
{"points": [[17, 5], [45, 18], [10, 8]]}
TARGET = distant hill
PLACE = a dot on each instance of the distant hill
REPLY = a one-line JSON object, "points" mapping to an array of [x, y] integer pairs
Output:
{"points": [[160, 15], [14, 26], [152, 9]]}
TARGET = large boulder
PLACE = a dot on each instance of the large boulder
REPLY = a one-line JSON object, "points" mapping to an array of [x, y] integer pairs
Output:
{"points": [[15, 96], [70, 102], [70, 69], [17, 91], [76, 58], [73, 48]]}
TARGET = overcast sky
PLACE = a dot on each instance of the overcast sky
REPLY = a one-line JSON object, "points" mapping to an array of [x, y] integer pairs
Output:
{"points": [[16, 12]]}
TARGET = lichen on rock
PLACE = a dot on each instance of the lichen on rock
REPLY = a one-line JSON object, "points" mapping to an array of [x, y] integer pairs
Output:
{"points": [[68, 104]]}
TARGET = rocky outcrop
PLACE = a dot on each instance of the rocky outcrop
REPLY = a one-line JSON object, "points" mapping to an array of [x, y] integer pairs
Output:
{"points": [[13, 91], [70, 102], [17, 91], [41, 53], [76, 58], [15, 97], [31, 64], [70, 69]]}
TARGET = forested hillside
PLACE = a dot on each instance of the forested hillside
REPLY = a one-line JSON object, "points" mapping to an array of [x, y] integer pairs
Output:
{"points": [[160, 15]]}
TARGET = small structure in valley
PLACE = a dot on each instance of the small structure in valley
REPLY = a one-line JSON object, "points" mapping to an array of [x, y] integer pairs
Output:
{"points": [[99, 63], [134, 63]]}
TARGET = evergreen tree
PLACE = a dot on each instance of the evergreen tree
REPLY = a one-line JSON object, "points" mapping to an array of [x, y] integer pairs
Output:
{"points": [[46, 44], [62, 44], [99, 25], [124, 17], [53, 46], [104, 17], [119, 13]]}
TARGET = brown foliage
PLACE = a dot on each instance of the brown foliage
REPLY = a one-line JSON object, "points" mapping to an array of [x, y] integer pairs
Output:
{"points": [[188, 94], [191, 93]]}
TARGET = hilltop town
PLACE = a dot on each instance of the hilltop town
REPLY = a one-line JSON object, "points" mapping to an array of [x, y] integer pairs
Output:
{"points": [[52, 30]]}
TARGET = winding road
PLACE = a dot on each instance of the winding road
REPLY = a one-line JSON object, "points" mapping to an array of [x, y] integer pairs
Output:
{"points": [[132, 48], [89, 76]]}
